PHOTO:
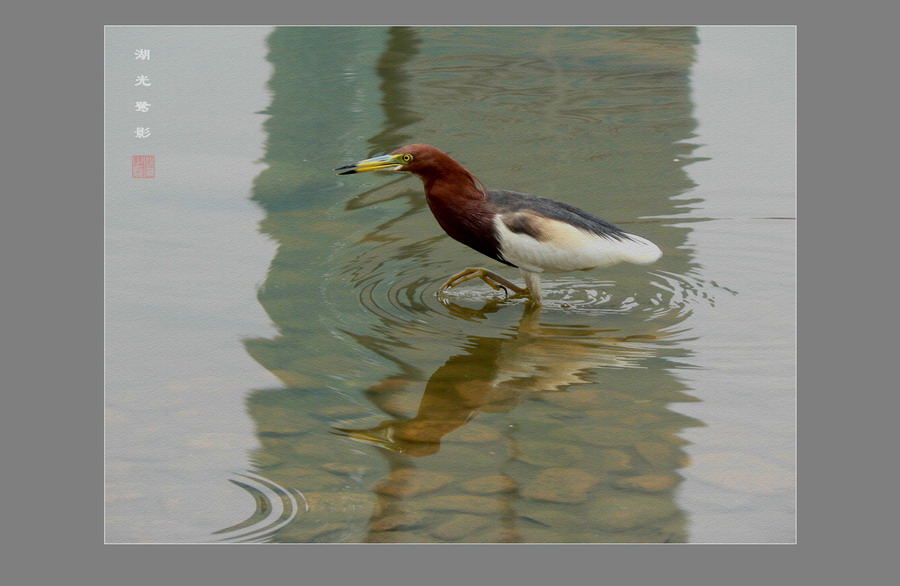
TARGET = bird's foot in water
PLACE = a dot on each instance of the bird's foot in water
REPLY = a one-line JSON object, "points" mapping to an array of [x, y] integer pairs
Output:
{"points": [[495, 281]]}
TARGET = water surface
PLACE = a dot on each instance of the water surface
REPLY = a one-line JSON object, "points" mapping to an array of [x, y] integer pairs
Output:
{"points": [[640, 404]]}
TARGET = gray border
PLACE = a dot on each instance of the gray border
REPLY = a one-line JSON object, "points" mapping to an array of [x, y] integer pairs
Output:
{"points": [[52, 158]]}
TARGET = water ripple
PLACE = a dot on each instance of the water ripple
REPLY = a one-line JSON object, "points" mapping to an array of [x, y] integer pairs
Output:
{"points": [[276, 506], [399, 285]]}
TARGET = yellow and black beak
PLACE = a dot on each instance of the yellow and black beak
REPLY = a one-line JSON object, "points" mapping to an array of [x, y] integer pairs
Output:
{"points": [[382, 163]]}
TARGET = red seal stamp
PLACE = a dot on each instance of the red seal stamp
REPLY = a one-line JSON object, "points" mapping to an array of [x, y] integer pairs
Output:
{"points": [[143, 166]]}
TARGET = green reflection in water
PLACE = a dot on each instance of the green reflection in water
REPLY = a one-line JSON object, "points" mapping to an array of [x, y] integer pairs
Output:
{"points": [[504, 424]]}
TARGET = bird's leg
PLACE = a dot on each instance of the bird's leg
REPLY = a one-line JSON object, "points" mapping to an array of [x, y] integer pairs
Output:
{"points": [[495, 281], [533, 283]]}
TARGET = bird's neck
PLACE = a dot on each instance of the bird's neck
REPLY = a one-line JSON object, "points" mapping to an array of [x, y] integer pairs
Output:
{"points": [[460, 206], [453, 184]]}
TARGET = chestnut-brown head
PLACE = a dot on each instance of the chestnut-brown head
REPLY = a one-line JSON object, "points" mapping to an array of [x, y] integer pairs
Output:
{"points": [[442, 176], [424, 159], [420, 159]]}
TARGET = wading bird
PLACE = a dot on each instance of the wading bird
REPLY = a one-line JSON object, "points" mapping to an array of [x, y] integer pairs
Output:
{"points": [[533, 233]]}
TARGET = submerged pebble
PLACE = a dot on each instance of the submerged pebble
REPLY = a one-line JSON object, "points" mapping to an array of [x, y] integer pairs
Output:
{"points": [[460, 526], [544, 453], [409, 482], [464, 503], [613, 460], [493, 484], [397, 521], [649, 482], [561, 485], [623, 512]]}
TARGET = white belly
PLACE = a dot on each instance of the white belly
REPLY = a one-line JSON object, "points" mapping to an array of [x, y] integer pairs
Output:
{"points": [[566, 248]]}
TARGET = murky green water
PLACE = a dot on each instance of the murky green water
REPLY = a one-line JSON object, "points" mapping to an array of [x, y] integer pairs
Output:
{"points": [[641, 404]]}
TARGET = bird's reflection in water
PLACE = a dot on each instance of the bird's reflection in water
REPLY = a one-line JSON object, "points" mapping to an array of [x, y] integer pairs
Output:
{"points": [[592, 465], [495, 374]]}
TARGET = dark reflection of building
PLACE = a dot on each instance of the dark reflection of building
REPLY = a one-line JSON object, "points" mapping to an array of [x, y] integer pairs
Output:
{"points": [[538, 428]]}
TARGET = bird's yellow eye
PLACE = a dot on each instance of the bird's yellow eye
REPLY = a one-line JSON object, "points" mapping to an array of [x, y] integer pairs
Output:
{"points": [[406, 158]]}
